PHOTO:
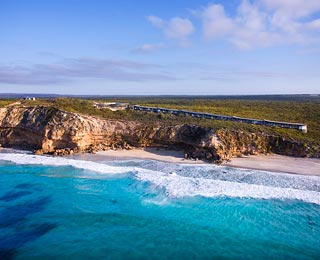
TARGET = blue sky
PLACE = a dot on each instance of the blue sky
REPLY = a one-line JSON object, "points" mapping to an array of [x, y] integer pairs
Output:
{"points": [[147, 47]]}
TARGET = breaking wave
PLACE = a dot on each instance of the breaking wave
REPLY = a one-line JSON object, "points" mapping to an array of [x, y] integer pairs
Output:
{"points": [[59, 161], [179, 186], [195, 180]]}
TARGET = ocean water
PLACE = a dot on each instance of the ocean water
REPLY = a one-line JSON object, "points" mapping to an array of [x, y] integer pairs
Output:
{"points": [[58, 208]]}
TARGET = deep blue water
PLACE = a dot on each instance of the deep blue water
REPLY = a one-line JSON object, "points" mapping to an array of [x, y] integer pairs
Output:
{"points": [[64, 212]]}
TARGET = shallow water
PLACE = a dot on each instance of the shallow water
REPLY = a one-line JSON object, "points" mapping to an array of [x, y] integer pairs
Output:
{"points": [[57, 208]]}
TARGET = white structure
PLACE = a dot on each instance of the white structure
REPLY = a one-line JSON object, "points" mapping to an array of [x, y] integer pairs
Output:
{"points": [[29, 98], [299, 127], [114, 106]]}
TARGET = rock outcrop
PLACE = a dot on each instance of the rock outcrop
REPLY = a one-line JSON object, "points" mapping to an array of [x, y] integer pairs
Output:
{"points": [[52, 131]]}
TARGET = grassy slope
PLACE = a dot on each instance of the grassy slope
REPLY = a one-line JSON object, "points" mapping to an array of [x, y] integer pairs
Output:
{"points": [[6, 102], [306, 111]]}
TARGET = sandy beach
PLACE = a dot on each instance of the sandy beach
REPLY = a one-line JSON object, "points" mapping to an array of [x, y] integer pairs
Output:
{"points": [[150, 154], [274, 163], [278, 163]]}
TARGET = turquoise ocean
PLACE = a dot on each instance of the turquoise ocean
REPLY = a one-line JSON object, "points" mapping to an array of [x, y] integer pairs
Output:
{"points": [[61, 208]]}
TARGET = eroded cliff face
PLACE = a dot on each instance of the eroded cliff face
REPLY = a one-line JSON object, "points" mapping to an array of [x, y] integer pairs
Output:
{"points": [[48, 130]]}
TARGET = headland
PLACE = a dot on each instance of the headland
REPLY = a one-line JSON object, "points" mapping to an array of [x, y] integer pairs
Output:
{"points": [[62, 127]]}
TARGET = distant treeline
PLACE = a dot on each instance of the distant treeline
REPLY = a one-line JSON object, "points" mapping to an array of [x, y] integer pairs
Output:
{"points": [[297, 97]]}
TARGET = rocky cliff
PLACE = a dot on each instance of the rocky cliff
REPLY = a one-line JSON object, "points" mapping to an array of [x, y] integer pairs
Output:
{"points": [[52, 131]]}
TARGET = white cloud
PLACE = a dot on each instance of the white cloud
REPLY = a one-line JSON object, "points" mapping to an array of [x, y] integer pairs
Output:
{"points": [[315, 24], [263, 23], [179, 28], [251, 17], [293, 8], [215, 22], [176, 28], [146, 48], [254, 24], [155, 21], [71, 69], [251, 28]]}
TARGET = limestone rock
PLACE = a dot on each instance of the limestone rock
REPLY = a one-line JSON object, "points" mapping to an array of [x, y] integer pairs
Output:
{"points": [[47, 130]]}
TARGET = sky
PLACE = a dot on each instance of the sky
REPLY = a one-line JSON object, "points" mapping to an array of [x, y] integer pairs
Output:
{"points": [[167, 47]]}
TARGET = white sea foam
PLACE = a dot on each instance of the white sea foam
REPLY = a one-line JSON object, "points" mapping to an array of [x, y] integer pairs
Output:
{"points": [[222, 173], [206, 181], [180, 186], [59, 161]]}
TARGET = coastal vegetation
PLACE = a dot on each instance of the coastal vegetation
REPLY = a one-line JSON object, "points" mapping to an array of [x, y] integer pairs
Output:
{"points": [[304, 110], [5, 102]]}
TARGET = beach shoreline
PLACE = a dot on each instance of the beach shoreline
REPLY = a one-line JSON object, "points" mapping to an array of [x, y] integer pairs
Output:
{"points": [[271, 163]]}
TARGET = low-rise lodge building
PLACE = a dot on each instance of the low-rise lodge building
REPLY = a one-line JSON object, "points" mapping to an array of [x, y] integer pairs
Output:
{"points": [[114, 106], [296, 126], [29, 98]]}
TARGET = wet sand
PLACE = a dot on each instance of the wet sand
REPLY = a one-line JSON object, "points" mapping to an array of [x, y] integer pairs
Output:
{"points": [[278, 163], [274, 163]]}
